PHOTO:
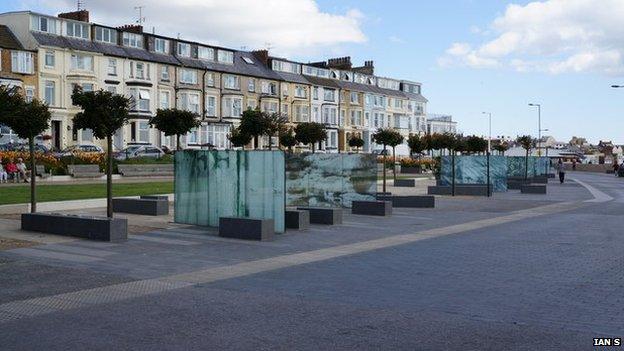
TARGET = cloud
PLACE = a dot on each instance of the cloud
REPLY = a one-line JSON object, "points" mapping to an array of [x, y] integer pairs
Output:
{"points": [[288, 25], [396, 39], [554, 36]]}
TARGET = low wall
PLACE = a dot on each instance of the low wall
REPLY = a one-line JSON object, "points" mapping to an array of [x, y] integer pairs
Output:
{"points": [[589, 167]]}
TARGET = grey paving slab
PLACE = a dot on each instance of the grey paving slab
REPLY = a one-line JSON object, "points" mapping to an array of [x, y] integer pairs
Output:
{"points": [[163, 240], [43, 253]]}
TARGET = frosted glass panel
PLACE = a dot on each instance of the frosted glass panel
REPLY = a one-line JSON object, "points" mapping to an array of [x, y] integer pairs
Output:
{"points": [[534, 165], [213, 184], [330, 180], [473, 170]]}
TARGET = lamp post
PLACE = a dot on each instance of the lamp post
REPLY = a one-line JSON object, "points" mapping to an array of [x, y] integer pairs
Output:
{"points": [[489, 131], [539, 128]]}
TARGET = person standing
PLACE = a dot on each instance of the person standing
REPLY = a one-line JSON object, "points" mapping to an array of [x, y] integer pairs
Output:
{"points": [[573, 164], [561, 170]]}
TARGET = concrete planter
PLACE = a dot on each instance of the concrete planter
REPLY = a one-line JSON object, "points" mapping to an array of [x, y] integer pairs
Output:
{"points": [[246, 228], [411, 201], [533, 189], [86, 227], [407, 183], [152, 206], [372, 208], [297, 219], [324, 215], [411, 170], [461, 190]]}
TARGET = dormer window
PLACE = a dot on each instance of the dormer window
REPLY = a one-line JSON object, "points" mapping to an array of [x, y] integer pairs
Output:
{"points": [[77, 30], [44, 24], [133, 40], [184, 49], [225, 57], [204, 53], [334, 74], [106, 35], [161, 46]]}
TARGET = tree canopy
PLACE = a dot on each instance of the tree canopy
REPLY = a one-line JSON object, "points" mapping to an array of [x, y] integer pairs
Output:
{"points": [[102, 111], [287, 139], [417, 143], [475, 144], [239, 138], [310, 133], [387, 137], [526, 141], [356, 142]]}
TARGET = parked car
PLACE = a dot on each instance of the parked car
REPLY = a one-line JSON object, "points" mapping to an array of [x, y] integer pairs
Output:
{"points": [[71, 150], [23, 147], [135, 151]]}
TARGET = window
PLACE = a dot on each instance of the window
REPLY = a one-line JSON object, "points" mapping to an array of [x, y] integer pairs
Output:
{"points": [[252, 104], [112, 89], [285, 109], [77, 30], [30, 93], [284, 66], [210, 81], [163, 100], [251, 85], [356, 118], [300, 91], [141, 98], [22, 62], [316, 117], [132, 40], [284, 89], [225, 56], [164, 73], [355, 98], [315, 93], [82, 62], [112, 67], [161, 45], [189, 101], [87, 87], [143, 132], [328, 94], [216, 135], [301, 113], [192, 136], [269, 88], [50, 92], [248, 60], [269, 106], [204, 53], [188, 76], [86, 135], [184, 49], [398, 103], [140, 70], [211, 106], [106, 35], [329, 115], [44, 24], [232, 107], [231, 82], [49, 58]]}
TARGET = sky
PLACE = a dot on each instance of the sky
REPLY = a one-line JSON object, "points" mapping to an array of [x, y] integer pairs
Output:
{"points": [[471, 56]]}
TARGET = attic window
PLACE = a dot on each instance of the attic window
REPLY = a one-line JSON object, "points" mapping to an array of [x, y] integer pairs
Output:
{"points": [[248, 60]]}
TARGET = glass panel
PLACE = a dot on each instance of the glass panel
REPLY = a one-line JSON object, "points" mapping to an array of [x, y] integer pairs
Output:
{"points": [[473, 170], [330, 180], [213, 184]]}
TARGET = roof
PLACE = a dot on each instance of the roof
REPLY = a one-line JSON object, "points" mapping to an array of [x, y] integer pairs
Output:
{"points": [[8, 40]]}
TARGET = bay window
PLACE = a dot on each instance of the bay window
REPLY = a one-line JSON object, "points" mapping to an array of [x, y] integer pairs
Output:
{"points": [[81, 62], [141, 98], [231, 82], [188, 76], [22, 62], [232, 106], [189, 101], [164, 100], [211, 106], [329, 94]]}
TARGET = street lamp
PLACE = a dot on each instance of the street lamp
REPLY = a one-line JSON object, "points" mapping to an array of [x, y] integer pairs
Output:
{"points": [[489, 131], [539, 128]]}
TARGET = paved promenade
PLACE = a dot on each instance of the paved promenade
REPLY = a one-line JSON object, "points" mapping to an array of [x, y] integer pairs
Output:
{"points": [[511, 272]]}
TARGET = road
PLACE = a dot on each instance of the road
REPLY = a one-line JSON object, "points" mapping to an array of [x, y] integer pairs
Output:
{"points": [[511, 272]]}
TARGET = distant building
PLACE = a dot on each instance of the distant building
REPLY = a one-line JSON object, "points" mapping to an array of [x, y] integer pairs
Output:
{"points": [[438, 124]]}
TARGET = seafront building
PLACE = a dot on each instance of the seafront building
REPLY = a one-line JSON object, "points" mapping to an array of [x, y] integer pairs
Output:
{"points": [[49, 55]]}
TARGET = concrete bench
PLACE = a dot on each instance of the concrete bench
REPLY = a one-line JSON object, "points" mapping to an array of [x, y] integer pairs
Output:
{"points": [[87, 227], [410, 201], [146, 170], [408, 183], [246, 228], [147, 207], [324, 215], [533, 189], [84, 171], [297, 219], [460, 189], [154, 197], [372, 208], [40, 171], [516, 184]]}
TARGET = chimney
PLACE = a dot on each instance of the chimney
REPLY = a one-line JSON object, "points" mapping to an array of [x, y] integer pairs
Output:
{"points": [[368, 68], [340, 63], [82, 15], [262, 56], [320, 64], [133, 28]]}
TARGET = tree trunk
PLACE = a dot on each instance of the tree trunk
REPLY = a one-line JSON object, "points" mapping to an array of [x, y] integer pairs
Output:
{"points": [[178, 146], [526, 165], [384, 169], [33, 175], [312, 147], [109, 176], [452, 173], [256, 142], [394, 163]]}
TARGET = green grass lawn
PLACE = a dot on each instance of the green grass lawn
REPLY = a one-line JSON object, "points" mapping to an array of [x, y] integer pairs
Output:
{"points": [[48, 192]]}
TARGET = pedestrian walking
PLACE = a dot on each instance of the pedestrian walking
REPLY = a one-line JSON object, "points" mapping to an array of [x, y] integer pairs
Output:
{"points": [[616, 166], [561, 170], [573, 164]]}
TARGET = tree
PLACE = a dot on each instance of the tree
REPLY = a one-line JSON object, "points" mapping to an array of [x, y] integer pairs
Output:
{"points": [[387, 137], [27, 120], [417, 144], [475, 144], [501, 147], [274, 125], [310, 133], [104, 113], [356, 142], [287, 139], [527, 143], [239, 138], [254, 124], [176, 122]]}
